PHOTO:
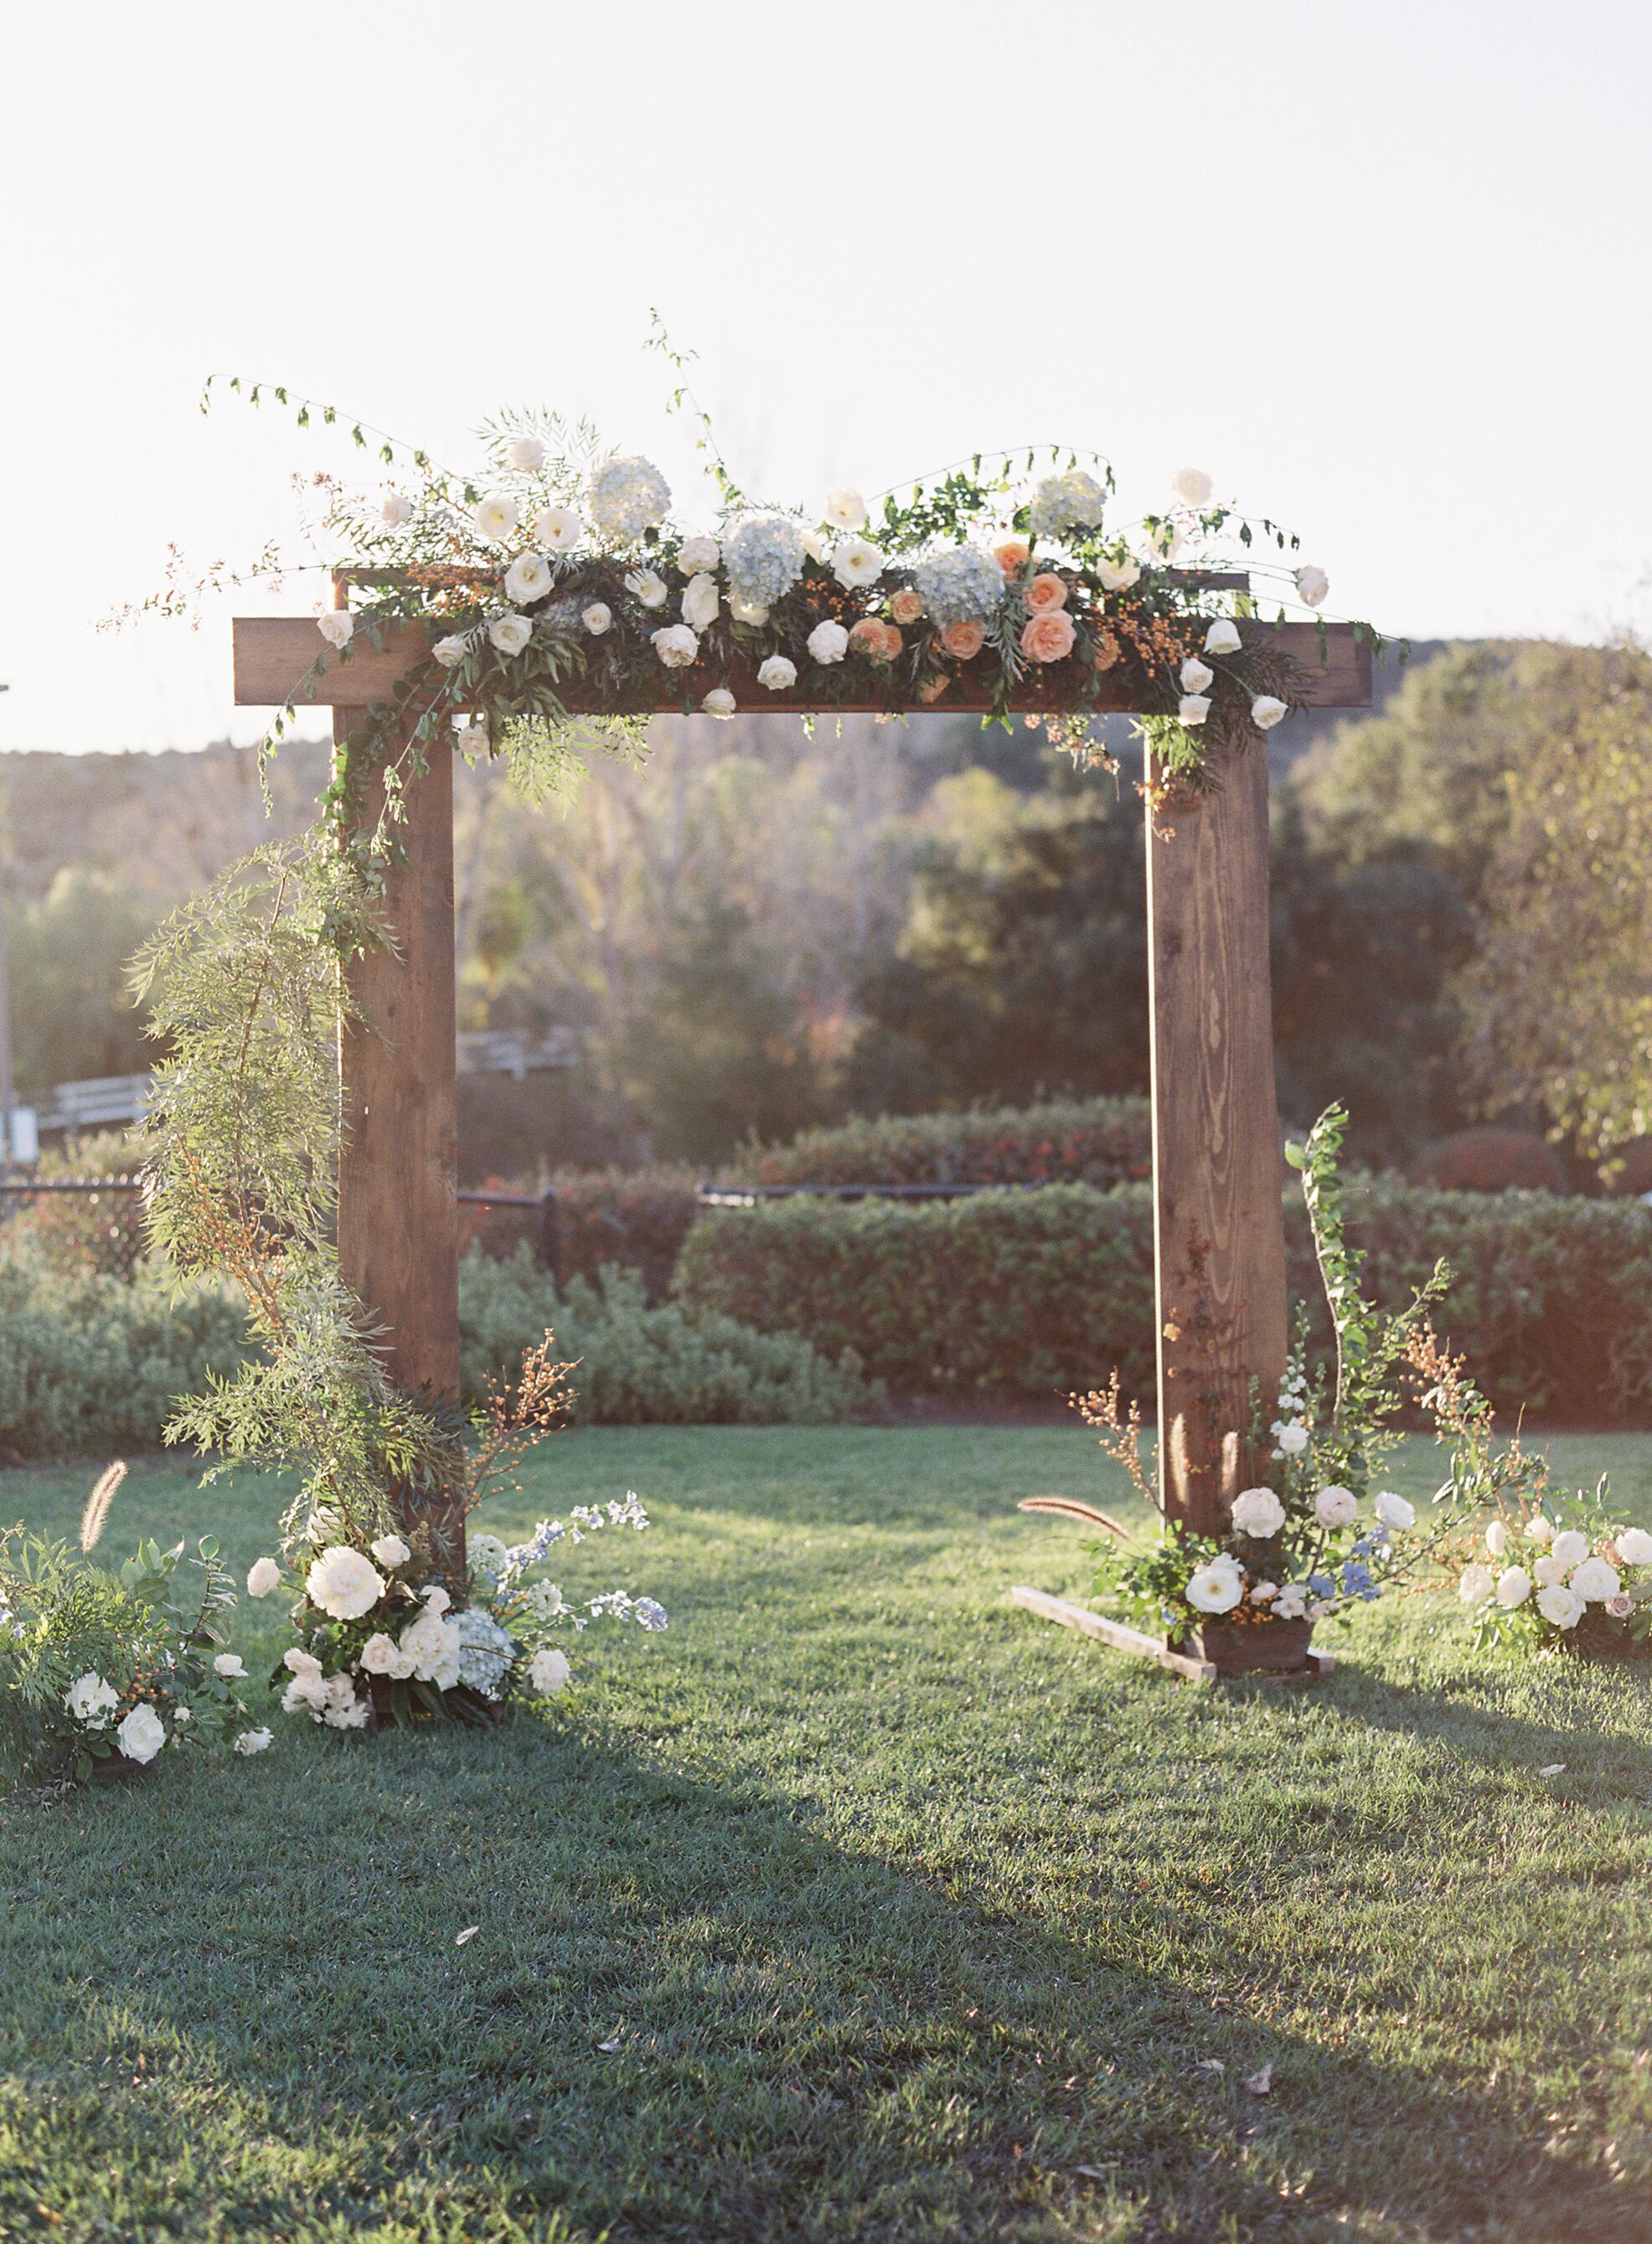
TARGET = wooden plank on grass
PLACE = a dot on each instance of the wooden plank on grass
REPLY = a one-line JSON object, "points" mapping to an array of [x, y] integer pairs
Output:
{"points": [[1066, 1614]]}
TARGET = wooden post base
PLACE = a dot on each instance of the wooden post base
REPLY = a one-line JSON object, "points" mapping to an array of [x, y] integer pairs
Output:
{"points": [[1135, 1641]]}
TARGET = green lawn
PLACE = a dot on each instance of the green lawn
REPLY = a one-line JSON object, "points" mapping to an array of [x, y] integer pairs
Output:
{"points": [[911, 1916]]}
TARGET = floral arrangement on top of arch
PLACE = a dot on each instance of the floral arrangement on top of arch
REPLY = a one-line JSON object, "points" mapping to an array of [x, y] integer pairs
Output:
{"points": [[555, 580], [1317, 1539]]}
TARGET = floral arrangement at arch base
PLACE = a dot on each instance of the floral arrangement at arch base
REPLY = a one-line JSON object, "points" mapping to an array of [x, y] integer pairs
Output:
{"points": [[1559, 1574], [1317, 1536]]}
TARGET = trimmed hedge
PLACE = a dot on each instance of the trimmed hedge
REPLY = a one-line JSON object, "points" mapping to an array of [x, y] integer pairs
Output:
{"points": [[1092, 1141], [636, 1217], [1042, 1292]]}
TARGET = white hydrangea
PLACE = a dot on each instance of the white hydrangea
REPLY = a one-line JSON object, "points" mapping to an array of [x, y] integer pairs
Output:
{"points": [[1062, 503], [960, 584], [549, 1672], [763, 558], [487, 1555], [626, 497]]}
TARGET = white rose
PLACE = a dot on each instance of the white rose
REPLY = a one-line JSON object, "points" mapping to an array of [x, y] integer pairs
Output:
{"points": [[1266, 710], [1561, 1605], [1291, 1602], [390, 1551], [1118, 575], [778, 674], [1474, 1583], [378, 1654], [815, 546], [305, 1694], [719, 702], [1263, 1593], [229, 1663], [653, 591], [1196, 675], [451, 651], [1634, 1546], [181, 1714], [747, 612], [430, 1641], [676, 646], [437, 1600], [1335, 1507], [396, 509], [556, 528], [343, 1710], [1570, 1548], [845, 510], [301, 1663], [1394, 1510], [251, 1741], [1216, 1588], [1192, 486], [1223, 638], [855, 564], [402, 1667], [1497, 1538], [141, 1736], [1258, 1511], [527, 453], [343, 1584], [1540, 1529], [549, 1672], [596, 617], [511, 633], [262, 1576], [1293, 1440], [496, 517], [1312, 585], [1513, 1586], [699, 602], [828, 642], [336, 626], [696, 554], [527, 578], [1547, 1569], [1595, 1581], [91, 1700], [1194, 708]]}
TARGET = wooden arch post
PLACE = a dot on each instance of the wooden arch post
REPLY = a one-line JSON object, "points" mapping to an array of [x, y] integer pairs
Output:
{"points": [[1219, 1241]]}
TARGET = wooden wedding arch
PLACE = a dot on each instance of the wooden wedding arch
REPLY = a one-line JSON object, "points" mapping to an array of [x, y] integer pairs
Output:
{"points": [[1219, 1236]]}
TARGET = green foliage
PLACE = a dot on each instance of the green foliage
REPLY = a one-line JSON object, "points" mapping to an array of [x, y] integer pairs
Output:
{"points": [[637, 1218], [635, 1364], [1007, 1292], [1092, 1141], [92, 1363]]}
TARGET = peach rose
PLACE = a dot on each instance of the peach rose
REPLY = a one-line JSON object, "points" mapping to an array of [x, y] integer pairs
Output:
{"points": [[906, 607], [1012, 556], [961, 641], [872, 637], [1044, 593], [1048, 637]]}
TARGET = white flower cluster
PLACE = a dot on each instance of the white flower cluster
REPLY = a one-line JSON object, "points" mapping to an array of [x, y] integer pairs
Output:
{"points": [[1061, 503], [1566, 1579], [330, 1699], [628, 496], [960, 584], [763, 558]]}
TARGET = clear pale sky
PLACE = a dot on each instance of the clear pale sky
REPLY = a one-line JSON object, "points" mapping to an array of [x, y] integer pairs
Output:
{"points": [[1382, 271]]}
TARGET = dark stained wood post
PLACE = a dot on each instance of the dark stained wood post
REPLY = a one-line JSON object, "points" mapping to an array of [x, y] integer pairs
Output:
{"points": [[398, 1164], [1217, 1173]]}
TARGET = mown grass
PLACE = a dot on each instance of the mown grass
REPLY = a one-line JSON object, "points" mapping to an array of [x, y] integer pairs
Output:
{"points": [[911, 1918]]}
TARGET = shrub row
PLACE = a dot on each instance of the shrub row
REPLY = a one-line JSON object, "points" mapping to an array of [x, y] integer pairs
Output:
{"points": [[1042, 1292], [1092, 1141]]}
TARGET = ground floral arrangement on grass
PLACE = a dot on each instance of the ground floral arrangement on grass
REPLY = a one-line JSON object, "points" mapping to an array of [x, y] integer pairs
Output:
{"points": [[1319, 1537]]}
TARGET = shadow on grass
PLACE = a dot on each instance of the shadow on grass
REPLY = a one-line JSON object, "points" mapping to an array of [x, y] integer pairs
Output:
{"points": [[684, 2015]]}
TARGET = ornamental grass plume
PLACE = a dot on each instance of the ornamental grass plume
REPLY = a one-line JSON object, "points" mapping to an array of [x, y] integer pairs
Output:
{"points": [[95, 1516]]}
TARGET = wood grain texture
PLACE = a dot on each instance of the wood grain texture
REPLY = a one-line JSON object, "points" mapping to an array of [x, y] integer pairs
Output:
{"points": [[398, 1216], [274, 654], [1217, 1171], [1066, 1614]]}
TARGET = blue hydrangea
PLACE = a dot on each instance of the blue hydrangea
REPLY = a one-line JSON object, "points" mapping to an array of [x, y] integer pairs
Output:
{"points": [[763, 558], [1062, 503], [486, 1651], [626, 497], [961, 585]]}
